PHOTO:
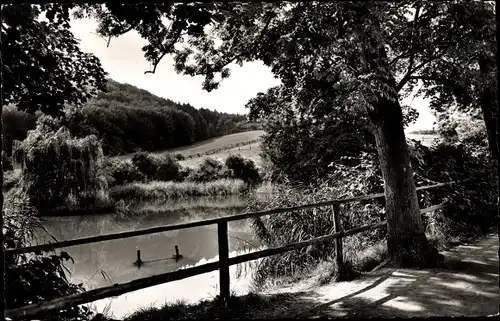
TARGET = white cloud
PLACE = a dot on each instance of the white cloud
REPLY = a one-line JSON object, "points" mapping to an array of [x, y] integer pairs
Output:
{"points": [[124, 61]]}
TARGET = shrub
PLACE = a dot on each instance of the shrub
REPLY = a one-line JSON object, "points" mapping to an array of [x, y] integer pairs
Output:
{"points": [[17, 154], [11, 179], [145, 163], [279, 230], [167, 168], [179, 157], [471, 204], [185, 172], [243, 169], [162, 168], [209, 170], [122, 172]]}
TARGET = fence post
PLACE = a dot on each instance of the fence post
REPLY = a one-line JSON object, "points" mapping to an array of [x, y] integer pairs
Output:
{"points": [[339, 253], [224, 277], [139, 261]]}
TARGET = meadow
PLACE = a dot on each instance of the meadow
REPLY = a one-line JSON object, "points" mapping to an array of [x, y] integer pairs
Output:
{"points": [[218, 143]]}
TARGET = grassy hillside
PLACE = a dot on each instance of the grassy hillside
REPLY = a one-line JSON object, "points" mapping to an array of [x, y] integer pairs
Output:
{"points": [[128, 119], [224, 144], [250, 151]]}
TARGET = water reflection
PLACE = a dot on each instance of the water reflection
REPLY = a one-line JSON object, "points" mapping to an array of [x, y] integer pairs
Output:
{"points": [[106, 263]]}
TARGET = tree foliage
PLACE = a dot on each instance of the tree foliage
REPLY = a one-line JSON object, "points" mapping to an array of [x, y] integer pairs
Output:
{"points": [[464, 79], [161, 168], [43, 67], [210, 169], [60, 173], [243, 168]]}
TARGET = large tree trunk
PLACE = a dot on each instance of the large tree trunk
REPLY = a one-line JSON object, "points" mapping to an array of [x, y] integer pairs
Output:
{"points": [[406, 241], [488, 103], [2, 304]]}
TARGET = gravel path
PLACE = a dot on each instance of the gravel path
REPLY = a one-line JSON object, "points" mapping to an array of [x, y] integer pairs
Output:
{"points": [[468, 287]]}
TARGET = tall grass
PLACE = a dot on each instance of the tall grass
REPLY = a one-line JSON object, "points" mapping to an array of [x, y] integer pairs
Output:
{"points": [[159, 190], [281, 229], [199, 203], [251, 306]]}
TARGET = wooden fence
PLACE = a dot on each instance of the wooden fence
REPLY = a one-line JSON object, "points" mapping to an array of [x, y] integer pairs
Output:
{"points": [[222, 265]]}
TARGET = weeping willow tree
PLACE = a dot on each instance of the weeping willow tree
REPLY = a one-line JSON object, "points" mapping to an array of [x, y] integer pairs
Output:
{"points": [[61, 173]]}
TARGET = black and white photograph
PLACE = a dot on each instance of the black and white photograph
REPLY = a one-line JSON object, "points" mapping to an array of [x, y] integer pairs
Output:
{"points": [[249, 160]]}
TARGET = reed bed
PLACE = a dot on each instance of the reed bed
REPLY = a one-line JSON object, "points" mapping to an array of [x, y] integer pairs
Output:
{"points": [[160, 190]]}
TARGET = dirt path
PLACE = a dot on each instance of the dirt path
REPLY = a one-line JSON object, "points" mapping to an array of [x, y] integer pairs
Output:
{"points": [[469, 287]]}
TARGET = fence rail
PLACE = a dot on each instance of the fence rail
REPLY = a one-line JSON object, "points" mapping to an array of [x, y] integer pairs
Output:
{"points": [[222, 265]]}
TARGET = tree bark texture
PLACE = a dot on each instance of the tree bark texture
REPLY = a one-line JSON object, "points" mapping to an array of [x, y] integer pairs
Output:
{"points": [[406, 240], [489, 104], [2, 304]]}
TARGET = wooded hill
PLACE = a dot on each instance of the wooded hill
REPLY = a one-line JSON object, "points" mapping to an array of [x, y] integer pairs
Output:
{"points": [[128, 119]]}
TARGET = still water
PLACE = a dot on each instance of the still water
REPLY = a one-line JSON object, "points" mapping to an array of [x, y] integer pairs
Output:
{"points": [[106, 263]]}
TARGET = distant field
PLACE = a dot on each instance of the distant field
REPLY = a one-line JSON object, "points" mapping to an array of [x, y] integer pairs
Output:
{"points": [[251, 151], [210, 144]]}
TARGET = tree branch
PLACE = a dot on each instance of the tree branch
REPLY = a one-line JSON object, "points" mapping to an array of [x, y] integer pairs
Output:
{"points": [[155, 64], [408, 76], [255, 44], [108, 40], [412, 46], [395, 59], [165, 48]]}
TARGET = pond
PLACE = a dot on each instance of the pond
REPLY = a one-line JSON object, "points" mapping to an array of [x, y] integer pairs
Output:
{"points": [[106, 263]]}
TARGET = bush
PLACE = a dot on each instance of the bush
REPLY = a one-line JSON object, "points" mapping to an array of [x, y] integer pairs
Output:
{"points": [[209, 170], [11, 179], [279, 230], [122, 172], [161, 168], [167, 168], [179, 157], [471, 204], [145, 163], [243, 169], [185, 172]]}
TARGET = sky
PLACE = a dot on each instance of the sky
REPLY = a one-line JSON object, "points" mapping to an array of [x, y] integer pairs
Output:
{"points": [[125, 63]]}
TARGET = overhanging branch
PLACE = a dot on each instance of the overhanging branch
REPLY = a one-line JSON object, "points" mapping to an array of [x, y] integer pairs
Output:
{"points": [[255, 45], [166, 48], [409, 74]]}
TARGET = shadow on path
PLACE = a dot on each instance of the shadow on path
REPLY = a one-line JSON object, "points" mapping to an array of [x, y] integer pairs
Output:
{"points": [[467, 287]]}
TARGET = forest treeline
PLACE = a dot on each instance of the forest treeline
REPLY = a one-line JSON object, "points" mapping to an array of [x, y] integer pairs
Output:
{"points": [[128, 119]]}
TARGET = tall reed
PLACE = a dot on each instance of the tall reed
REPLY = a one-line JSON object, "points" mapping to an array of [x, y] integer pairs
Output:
{"points": [[159, 190]]}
